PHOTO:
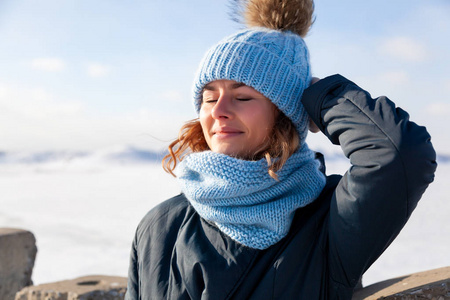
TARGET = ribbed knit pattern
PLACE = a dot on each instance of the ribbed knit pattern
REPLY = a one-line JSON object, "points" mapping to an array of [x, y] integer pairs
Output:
{"points": [[242, 199], [275, 63]]}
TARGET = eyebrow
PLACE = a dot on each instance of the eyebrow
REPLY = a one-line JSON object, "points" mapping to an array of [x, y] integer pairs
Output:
{"points": [[210, 87]]}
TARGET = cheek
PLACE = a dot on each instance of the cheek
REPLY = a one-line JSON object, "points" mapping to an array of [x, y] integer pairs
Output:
{"points": [[263, 121], [205, 123], [202, 117]]}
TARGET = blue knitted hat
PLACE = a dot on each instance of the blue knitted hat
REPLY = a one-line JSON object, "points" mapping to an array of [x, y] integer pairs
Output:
{"points": [[273, 62]]}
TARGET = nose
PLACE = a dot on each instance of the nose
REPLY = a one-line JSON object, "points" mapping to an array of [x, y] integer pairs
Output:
{"points": [[223, 108]]}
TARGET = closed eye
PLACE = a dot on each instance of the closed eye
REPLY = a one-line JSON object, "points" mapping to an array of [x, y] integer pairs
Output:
{"points": [[243, 99]]}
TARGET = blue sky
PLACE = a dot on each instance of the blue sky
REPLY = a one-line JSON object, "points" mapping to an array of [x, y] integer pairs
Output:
{"points": [[87, 75]]}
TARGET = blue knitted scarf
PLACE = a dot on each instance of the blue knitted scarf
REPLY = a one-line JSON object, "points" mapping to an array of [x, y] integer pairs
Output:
{"points": [[242, 199]]}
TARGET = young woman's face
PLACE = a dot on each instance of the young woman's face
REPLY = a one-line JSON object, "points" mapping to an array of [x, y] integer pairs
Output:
{"points": [[236, 119]]}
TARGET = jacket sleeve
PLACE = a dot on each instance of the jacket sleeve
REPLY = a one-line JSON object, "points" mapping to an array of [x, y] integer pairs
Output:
{"points": [[392, 163], [133, 274]]}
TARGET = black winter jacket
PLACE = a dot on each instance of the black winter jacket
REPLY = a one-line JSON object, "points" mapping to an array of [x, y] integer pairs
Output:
{"points": [[178, 255]]}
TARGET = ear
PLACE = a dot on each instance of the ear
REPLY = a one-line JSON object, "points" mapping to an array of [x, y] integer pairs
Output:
{"points": [[312, 126]]}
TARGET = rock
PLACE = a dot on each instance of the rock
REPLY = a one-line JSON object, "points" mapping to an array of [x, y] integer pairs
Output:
{"points": [[433, 285], [17, 254], [84, 288]]}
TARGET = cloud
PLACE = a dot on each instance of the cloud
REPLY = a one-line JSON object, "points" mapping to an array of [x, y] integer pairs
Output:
{"points": [[446, 84], [173, 96], [404, 48], [48, 64], [36, 119], [96, 70], [21, 103], [395, 77], [439, 109]]}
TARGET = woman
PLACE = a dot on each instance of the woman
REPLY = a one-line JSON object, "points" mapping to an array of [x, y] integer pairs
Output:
{"points": [[258, 219]]}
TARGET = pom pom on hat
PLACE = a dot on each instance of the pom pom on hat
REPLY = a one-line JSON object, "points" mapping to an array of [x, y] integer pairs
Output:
{"points": [[288, 15]]}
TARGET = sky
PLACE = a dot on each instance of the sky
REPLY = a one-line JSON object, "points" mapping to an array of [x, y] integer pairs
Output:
{"points": [[88, 75]]}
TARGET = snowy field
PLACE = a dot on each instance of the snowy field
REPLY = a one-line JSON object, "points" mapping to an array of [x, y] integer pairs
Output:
{"points": [[83, 210]]}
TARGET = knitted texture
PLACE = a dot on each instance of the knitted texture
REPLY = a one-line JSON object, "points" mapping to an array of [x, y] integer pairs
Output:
{"points": [[242, 199], [275, 63]]}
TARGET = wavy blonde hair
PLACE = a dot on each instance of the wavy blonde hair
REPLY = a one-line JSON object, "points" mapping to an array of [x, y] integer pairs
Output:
{"points": [[281, 144]]}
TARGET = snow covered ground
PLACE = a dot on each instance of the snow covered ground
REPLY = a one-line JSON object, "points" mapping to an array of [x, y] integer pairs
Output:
{"points": [[83, 209]]}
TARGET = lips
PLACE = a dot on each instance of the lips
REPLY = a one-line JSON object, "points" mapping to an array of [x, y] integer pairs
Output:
{"points": [[226, 131]]}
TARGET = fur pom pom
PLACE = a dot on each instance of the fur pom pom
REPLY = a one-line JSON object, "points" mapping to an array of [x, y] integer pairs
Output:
{"points": [[292, 15]]}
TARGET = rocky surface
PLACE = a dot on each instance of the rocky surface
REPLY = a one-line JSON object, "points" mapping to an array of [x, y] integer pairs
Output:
{"points": [[433, 285], [17, 254], [96, 287]]}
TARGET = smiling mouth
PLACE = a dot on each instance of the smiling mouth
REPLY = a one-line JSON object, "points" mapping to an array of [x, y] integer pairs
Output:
{"points": [[227, 133]]}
